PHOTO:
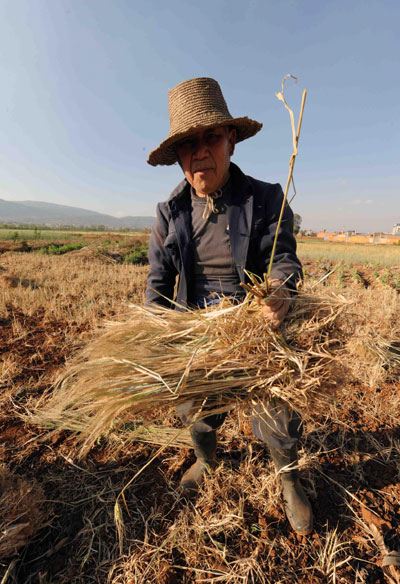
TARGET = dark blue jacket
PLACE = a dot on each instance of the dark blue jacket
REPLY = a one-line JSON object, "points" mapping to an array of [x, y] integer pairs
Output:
{"points": [[253, 210]]}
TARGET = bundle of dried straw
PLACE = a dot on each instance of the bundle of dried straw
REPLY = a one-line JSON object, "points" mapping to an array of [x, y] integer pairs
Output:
{"points": [[158, 359]]}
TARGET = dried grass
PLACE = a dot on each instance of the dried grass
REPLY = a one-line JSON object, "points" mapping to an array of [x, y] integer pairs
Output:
{"points": [[68, 288], [230, 355], [355, 441], [21, 512]]}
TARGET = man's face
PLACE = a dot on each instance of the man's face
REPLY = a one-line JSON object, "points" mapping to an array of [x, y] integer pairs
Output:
{"points": [[205, 157]]}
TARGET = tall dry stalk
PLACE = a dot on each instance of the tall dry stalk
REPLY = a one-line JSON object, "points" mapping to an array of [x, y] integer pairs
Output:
{"points": [[296, 136], [262, 289]]}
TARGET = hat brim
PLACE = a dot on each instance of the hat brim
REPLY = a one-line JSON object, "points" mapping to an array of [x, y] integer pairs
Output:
{"points": [[165, 154]]}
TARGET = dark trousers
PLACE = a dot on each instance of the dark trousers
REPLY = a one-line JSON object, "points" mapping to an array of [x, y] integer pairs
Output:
{"points": [[273, 422]]}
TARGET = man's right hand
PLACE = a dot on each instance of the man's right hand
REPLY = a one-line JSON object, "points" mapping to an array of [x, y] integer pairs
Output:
{"points": [[276, 306]]}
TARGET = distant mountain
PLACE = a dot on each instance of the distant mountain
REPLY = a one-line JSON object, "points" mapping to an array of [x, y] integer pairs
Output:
{"points": [[53, 215]]}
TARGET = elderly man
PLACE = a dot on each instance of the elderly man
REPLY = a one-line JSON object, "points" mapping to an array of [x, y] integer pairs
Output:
{"points": [[217, 224]]}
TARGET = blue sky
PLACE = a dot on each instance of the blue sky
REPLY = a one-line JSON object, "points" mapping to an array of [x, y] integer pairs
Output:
{"points": [[84, 89]]}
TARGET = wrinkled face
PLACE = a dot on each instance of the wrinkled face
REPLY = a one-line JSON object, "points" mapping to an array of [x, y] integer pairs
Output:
{"points": [[205, 157]]}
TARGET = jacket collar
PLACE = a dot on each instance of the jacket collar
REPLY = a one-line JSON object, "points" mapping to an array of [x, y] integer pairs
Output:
{"points": [[179, 191]]}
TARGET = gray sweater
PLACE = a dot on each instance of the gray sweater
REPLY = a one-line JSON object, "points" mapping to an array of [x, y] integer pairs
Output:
{"points": [[214, 269]]}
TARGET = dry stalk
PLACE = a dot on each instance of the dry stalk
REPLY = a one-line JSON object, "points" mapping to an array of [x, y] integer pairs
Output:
{"points": [[261, 288]]}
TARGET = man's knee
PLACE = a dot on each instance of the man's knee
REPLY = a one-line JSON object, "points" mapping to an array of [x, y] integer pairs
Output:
{"points": [[276, 424], [187, 411]]}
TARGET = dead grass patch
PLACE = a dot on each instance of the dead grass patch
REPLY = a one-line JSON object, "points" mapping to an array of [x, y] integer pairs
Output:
{"points": [[352, 449], [67, 288], [21, 511]]}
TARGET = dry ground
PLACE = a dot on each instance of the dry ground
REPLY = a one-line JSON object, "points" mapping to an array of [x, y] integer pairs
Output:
{"points": [[236, 531]]}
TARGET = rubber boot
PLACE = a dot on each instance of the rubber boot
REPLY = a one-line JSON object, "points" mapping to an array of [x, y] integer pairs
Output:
{"points": [[297, 506], [205, 444]]}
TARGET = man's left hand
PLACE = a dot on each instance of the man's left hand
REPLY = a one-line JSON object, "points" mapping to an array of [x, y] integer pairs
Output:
{"points": [[276, 306]]}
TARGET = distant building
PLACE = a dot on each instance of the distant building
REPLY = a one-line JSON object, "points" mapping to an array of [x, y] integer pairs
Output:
{"points": [[306, 233], [354, 237], [388, 238], [396, 229]]}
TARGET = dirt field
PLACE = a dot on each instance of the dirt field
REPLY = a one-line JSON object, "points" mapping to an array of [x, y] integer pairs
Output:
{"points": [[50, 306]]}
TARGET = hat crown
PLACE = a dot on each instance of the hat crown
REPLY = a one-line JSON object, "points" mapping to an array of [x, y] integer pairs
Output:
{"points": [[194, 105], [196, 102]]}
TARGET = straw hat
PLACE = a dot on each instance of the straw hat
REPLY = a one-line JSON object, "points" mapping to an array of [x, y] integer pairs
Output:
{"points": [[195, 105]]}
